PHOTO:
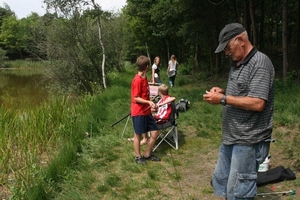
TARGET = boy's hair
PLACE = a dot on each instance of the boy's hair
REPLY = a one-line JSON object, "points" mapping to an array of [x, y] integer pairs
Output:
{"points": [[163, 88], [142, 62]]}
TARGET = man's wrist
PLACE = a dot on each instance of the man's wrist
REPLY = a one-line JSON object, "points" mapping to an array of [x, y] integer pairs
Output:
{"points": [[223, 100]]}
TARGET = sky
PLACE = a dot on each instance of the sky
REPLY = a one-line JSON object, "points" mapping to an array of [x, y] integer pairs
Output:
{"points": [[23, 8]]}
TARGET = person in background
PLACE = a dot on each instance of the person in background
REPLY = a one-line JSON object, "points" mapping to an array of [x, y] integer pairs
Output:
{"points": [[142, 118], [247, 119], [155, 71], [171, 71]]}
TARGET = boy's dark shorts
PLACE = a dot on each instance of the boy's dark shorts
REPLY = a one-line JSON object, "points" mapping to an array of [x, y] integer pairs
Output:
{"points": [[143, 124]]}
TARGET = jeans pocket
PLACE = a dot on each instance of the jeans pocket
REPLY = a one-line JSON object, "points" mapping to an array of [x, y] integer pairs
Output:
{"points": [[262, 151], [245, 186]]}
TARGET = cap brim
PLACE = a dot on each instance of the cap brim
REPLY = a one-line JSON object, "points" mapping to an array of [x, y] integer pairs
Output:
{"points": [[221, 46]]}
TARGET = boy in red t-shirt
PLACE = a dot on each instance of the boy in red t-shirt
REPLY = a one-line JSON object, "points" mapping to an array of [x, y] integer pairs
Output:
{"points": [[164, 105], [141, 112]]}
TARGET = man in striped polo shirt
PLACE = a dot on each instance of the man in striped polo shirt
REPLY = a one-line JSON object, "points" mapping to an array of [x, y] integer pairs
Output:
{"points": [[247, 119]]}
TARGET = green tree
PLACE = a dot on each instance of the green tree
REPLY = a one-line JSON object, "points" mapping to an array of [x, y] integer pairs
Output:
{"points": [[17, 36], [12, 36], [5, 12], [2, 57], [171, 27], [73, 45], [138, 27]]}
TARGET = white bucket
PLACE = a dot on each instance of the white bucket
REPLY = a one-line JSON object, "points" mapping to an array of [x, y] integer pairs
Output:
{"points": [[265, 165]]}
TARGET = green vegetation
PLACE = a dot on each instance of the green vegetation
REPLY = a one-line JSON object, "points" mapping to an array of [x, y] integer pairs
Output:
{"points": [[67, 149], [82, 42], [29, 65], [32, 137]]}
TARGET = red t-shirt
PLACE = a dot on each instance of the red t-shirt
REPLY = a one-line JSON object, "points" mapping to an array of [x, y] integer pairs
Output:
{"points": [[140, 88], [164, 112]]}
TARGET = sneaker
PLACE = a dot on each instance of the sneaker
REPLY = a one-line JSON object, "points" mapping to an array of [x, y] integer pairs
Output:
{"points": [[152, 158], [140, 160]]}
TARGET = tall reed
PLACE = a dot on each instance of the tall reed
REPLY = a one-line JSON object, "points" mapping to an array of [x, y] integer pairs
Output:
{"points": [[30, 138]]}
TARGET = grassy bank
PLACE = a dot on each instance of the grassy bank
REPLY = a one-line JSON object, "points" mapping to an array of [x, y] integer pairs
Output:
{"points": [[38, 137], [107, 169], [25, 64], [102, 165]]}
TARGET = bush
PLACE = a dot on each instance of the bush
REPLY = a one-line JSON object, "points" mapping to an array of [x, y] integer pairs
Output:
{"points": [[2, 57]]}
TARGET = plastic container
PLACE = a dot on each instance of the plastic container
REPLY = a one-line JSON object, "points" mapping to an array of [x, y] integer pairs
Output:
{"points": [[265, 165]]}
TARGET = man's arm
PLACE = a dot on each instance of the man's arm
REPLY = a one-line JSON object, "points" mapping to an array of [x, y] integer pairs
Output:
{"points": [[245, 103]]}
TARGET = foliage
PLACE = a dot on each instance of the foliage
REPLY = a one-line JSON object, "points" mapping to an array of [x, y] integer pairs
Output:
{"points": [[113, 39], [68, 36], [74, 48], [285, 86], [75, 58], [11, 35], [190, 28], [3, 57], [17, 35], [5, 12]]}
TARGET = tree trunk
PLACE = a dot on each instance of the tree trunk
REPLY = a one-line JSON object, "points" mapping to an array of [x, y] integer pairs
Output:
{"points": [[252, 16], [246, 20], [284, 40], [148, 55], [196, 54], [262, 26], [298, 34], [101, 44]]}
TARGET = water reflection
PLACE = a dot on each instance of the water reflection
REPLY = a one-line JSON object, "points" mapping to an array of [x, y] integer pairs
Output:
{"points": [[21, 90]]}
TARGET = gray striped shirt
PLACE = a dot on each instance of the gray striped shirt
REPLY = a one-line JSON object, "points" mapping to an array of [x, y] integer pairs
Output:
{"points": [[254, 77]]}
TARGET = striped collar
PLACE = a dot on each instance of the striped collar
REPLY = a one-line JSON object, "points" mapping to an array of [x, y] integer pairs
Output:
{"points": [[247, 58]]}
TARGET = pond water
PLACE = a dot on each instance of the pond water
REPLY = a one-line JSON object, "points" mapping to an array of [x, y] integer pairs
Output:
{"points": [[19, 89]]}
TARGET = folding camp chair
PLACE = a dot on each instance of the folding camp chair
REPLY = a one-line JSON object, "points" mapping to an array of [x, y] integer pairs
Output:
{"points": [[168, 131], [153, 89]]}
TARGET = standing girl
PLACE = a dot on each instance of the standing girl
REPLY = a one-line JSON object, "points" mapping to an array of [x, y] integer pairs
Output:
{"points": [[171, 72], [155, 71]]}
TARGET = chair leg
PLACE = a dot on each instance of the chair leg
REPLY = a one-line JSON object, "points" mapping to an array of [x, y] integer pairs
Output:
{"points": [[175, 137], [159, 136], [163, 137], [125, 126]]}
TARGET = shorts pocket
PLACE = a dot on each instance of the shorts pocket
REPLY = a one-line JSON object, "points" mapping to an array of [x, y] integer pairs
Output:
{"points": [[245, 186]]}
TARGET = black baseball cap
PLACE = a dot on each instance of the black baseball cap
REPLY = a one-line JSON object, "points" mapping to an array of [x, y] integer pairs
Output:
{"points": [[228, 32]]}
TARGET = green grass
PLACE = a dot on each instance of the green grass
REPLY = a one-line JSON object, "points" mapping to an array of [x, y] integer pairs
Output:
{"points": [[192, 164], [26, 64], [31, 138], [102, 165]]}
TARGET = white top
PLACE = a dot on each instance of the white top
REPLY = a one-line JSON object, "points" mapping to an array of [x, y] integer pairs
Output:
{"points": [[154, 66], [172, 65]]}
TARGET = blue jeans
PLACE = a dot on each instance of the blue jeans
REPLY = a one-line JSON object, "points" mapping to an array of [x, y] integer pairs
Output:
{"points": [[172, 81], [236, 170]]}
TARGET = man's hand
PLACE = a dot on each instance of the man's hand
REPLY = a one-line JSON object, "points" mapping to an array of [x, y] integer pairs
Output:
{"points": [[217, 89], [212, 97]]}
